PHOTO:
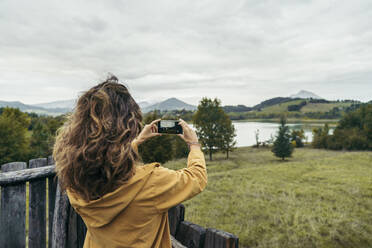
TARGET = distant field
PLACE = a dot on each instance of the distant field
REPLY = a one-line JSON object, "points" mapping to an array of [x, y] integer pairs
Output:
{"points": [[309, 107], [281, 107], [323, 107], [316, 199]]}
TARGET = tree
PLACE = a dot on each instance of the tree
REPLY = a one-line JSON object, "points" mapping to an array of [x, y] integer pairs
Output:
{"points": [[208, 120], [156, 149], [257, 136], [282, 145], [180, 147], [41, 141], [226, 135], [321, 137], [14, 143], [297, 136], [354, 130]]}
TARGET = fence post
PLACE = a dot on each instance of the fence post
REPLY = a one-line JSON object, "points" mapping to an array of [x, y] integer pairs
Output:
{"points": [[37, 207], [13, 210], [175, 216], [191, 235], [60, 219], [52, 189], [76, 230], [219, 239]]}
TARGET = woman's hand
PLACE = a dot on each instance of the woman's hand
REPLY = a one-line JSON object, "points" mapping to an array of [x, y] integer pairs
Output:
{"points": [[149, 131], [189, 135]]}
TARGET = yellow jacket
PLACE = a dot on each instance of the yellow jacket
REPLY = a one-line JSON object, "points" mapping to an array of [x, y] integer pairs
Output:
{"points": [[136, 213]]}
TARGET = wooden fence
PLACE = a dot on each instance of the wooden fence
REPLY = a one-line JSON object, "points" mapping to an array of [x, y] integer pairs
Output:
{"points": [[32, 221]]}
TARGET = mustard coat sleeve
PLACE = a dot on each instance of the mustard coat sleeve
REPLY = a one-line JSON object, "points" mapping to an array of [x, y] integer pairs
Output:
{"points": [[172, 187]]}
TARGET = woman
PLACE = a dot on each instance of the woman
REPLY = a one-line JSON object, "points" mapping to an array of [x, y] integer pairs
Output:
{"points": [[122, 202]]}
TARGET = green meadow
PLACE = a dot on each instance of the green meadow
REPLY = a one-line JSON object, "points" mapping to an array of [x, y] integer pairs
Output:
{"points": [[317, 198]]}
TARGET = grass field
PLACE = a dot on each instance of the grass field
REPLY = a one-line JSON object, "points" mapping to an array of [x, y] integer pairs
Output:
{"points": [[281, 107], [323, 107], [309, 107], [317, 198]]}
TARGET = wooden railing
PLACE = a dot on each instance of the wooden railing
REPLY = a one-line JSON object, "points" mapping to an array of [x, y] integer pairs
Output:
{"points": [[52, 222]]}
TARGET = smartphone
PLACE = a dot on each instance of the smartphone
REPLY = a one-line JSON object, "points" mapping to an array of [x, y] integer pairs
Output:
{"points": [[169, 127]]}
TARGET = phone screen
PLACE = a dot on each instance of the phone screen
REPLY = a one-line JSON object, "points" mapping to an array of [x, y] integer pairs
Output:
{"points": [[169, 127]]}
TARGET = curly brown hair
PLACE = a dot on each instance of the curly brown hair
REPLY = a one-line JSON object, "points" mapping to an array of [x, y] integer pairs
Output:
{"points": [[93, 152]]}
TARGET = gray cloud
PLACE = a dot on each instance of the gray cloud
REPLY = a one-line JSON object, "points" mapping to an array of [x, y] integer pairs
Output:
{"points": [[241, 52]]}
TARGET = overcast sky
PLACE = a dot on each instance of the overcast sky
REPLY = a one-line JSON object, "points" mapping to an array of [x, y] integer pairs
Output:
{"points": [[242, 52]]}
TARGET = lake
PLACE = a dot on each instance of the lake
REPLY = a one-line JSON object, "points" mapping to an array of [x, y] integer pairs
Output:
{"points": [[245, 131]]}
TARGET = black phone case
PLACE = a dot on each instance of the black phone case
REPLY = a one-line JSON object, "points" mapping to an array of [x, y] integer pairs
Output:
{"points": [[177, 129]]}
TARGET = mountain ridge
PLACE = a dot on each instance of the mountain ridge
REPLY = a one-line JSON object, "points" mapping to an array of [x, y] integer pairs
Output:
{"points": [[64, 106]]}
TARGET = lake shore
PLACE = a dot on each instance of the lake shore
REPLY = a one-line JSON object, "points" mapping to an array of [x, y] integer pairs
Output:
{"points": [[330, 122]]}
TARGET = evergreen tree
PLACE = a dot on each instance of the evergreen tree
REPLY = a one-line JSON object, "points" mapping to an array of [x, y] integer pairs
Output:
{"points": [[282, 145]]}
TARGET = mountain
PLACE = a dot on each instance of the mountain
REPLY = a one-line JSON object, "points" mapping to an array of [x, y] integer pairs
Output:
{"points": [[303, 94], [144, 104], [34, 109], [23, 107], [64, 104], [169, 104]]}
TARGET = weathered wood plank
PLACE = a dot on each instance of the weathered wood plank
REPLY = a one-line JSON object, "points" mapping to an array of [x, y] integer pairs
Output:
{"points": [[37, 207], [191, 235], [175, 216], [76, 230], [52, 188], [219, 239], [72, 239], [176, 243], [13, 210], [60, 219], [15, 177], [14, 166], [50, 160]]}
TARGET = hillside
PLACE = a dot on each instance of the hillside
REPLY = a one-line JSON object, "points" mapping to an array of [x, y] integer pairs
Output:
{"points": [[318, 198], [272, 102]]}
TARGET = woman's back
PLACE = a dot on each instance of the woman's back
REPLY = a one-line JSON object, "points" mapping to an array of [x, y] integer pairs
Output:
{"points": [[135, 214]]}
